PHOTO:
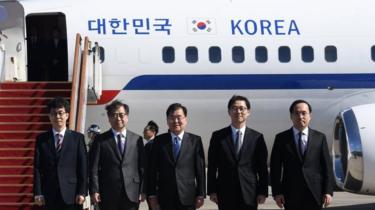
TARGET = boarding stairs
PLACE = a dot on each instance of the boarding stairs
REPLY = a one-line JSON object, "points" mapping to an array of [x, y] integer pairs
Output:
{"points": [[24, 115]]}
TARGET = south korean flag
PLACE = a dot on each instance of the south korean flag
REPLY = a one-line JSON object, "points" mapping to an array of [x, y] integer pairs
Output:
{"points": [[201, 26]]}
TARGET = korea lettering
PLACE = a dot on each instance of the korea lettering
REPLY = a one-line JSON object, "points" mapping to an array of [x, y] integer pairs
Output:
{"points": [[252, 27], [130, 26]]}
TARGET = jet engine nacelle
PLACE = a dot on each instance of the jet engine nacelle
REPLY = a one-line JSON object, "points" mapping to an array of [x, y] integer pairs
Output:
{"points": [[354, 149]]}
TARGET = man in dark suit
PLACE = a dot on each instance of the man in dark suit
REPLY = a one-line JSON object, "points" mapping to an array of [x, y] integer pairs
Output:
{"points": [[116, 163], [237, 162], [57, 56], [177, 174], [301, 168], [60, 163]]}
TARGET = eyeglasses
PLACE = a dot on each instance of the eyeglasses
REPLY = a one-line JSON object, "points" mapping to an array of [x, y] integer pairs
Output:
{"points": [[178, 118], [238, 108], [54, 114], [116, 115], [303, 114]]}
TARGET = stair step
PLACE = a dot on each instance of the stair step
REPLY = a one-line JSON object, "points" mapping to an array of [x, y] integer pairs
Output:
{"points": [[36, 85], [34, 93], [14, 179], [24, 118], [23, 109], [16, 152], [24, 126], [16, 161], [17, 143], [24, 101], [17, 198], [19, 134], [16, 188], [16, 170]]}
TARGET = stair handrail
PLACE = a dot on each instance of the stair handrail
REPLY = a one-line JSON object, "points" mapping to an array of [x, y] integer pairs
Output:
{"points": [[75, 82], [82, 93]]}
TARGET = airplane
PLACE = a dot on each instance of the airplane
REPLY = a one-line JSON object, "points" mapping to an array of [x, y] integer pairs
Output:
{"points": [[200, 53]]}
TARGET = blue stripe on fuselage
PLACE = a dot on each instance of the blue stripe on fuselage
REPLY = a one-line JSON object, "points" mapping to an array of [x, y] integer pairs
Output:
{"points": [[251, 81]]}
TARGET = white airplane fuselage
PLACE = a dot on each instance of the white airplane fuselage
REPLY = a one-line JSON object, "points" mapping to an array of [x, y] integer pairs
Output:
{"points": [[134, 70]]}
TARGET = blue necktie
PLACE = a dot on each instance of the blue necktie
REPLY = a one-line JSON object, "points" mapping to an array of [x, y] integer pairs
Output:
{"points": [[120, 149], [176, 147]]}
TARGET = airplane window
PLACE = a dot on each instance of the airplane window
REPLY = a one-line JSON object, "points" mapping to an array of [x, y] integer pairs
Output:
{"points": [[261, 54], [307, 54], [191, 54], [215, 54], [238, 54], [373, 53], [284, 54], [330, 53], [168, 54]]}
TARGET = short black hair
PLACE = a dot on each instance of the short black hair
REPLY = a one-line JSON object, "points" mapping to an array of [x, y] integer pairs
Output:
{"points": [[152, 126], [175, 106], [115, 105], [299, 101], [238, 98], [57, 103]]}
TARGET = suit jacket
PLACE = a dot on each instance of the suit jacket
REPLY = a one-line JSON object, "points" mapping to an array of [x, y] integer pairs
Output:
{"points": [[290, 172], [185, 176], [110, 172], [246, 173], [148, 163], [66, 172]]}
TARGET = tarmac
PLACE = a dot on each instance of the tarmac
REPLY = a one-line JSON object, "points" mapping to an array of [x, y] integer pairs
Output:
{"points": [[341, 201]]}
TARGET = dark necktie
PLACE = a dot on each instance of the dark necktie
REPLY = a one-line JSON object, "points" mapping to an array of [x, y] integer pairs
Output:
{"points": [[59, 139], [119, 144], [176, 147], [300, 144], [237, 142]]}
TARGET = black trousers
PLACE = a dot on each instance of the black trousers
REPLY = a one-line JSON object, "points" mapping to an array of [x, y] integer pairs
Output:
{"points": [[59, 204], [122, 202], [305, 202]]}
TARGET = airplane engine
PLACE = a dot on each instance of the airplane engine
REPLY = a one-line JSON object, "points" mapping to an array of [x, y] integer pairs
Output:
{"points": [[354, 149]]}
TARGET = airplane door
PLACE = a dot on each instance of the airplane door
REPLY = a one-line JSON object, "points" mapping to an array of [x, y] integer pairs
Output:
{"points": [[12, 42]]}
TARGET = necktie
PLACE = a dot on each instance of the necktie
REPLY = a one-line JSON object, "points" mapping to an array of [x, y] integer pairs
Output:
{"points": [[59, 139], [237, 142], [300, 145], [119, 144], [176, 147]]}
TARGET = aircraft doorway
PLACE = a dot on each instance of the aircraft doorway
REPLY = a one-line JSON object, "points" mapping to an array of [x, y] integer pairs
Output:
{"points": [[47, 52]]}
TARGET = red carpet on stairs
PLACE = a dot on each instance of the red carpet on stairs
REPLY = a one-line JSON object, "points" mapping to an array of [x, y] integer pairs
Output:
{"points": [[23, 115]]}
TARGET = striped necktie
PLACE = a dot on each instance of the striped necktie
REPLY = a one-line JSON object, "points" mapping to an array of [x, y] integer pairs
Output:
{"points": [[59, 139]]}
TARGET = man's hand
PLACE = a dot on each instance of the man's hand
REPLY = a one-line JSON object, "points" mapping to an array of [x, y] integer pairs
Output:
{"points": [[95, 198], [153, 201], [80, 199], [39, 200], [213, 197], [280, 200], [261, 199], [327, 199], [199, 202]]}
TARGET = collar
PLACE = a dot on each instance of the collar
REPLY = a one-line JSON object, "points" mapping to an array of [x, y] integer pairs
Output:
{"points": [[115, 133], [305, 131], [234, 130], [179, 135], [62, 132]]}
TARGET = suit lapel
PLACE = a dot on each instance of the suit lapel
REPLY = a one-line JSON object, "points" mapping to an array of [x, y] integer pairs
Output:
{"points": [[293, 145], [51, 143], [310, 143], [129, 143], [65, 142], [184, 145], [229, 142], [245, 143], [112, 143], [169, 148]]}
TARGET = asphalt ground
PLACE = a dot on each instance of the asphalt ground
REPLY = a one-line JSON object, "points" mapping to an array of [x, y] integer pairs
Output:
{"points": [[341, 201]]}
